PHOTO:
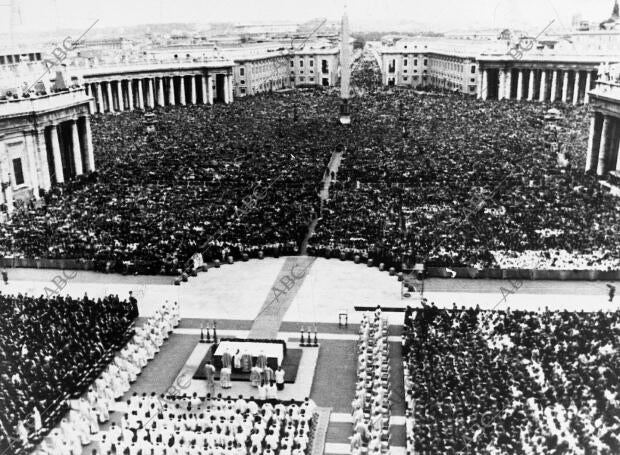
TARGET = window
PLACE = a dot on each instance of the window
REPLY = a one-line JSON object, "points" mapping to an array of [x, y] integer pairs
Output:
{"points": [[242, 71], [405, 62], [19, 173], [311, 79], [242, 82], [324, 67], [415, 62], [473, 69], [311, 63], [405, 78], [292, 63], [472, 80], [301, 79], [242, 90], [392, 66], [301, 63], [425, 61]]}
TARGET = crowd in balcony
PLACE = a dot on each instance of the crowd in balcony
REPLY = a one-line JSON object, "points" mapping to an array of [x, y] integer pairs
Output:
{"points": [[512, 382], [50, 349]]}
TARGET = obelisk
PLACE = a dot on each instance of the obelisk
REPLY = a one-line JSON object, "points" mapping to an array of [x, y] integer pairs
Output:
{"points": [[345, 72]]}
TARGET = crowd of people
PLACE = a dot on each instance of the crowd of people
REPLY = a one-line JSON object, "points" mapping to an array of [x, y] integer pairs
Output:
{"points": [[506, 382], [79, 427], [197, 425], [371, 405], [50, 349], [455, 181], [222, 180], [445, 179]]}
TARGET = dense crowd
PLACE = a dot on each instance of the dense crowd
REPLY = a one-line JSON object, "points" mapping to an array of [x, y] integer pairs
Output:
{"points": [[371, 406], [223, 181], [447, 179], [456, 181], [81, 425], [50, 349], [512, 382], [193, 425]]}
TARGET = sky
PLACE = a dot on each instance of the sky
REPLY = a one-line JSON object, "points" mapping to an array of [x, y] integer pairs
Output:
{"points": [[438, 15]]}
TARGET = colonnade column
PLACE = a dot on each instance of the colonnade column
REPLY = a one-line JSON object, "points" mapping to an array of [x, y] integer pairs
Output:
{"points": [[543, 86], [151, 97], [56, 152], [576, 89], [182, 90], [160, 92], [485, 84], [33, 164], [44, 169], [77, 150], [565, 87], [586, 97], [530, 86], [100, 104], [171, 91], [604, 146], [119, 93], [205, 97], [520, 85], [210, 89], [554, 85], [8, 192], [231, 92], [130, 94], [110, 99], [508, 84], [88, 140], [140, 95], [501, 90], [192, 80]]}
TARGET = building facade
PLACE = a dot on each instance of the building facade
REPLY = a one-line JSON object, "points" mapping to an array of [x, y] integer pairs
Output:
{"points": [[129, 86], [44, 140], [315, 67], [262, 73], [537, 78]]}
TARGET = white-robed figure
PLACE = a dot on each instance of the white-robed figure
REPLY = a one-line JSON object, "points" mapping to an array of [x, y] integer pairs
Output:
{"points": [[210, 377], [36, 417], [225, 381], [22, 432]]}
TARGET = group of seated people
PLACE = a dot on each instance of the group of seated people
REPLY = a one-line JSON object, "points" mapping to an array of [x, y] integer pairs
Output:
{"points": [[451, 179], [208, 425], [50, 349], [371, 406], [507, 382], [77, 427]]}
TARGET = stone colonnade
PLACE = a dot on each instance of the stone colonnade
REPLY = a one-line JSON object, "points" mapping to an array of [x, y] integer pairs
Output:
{"points": [[129, 93], [537, 84], [603, 154], [55, 152]]}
